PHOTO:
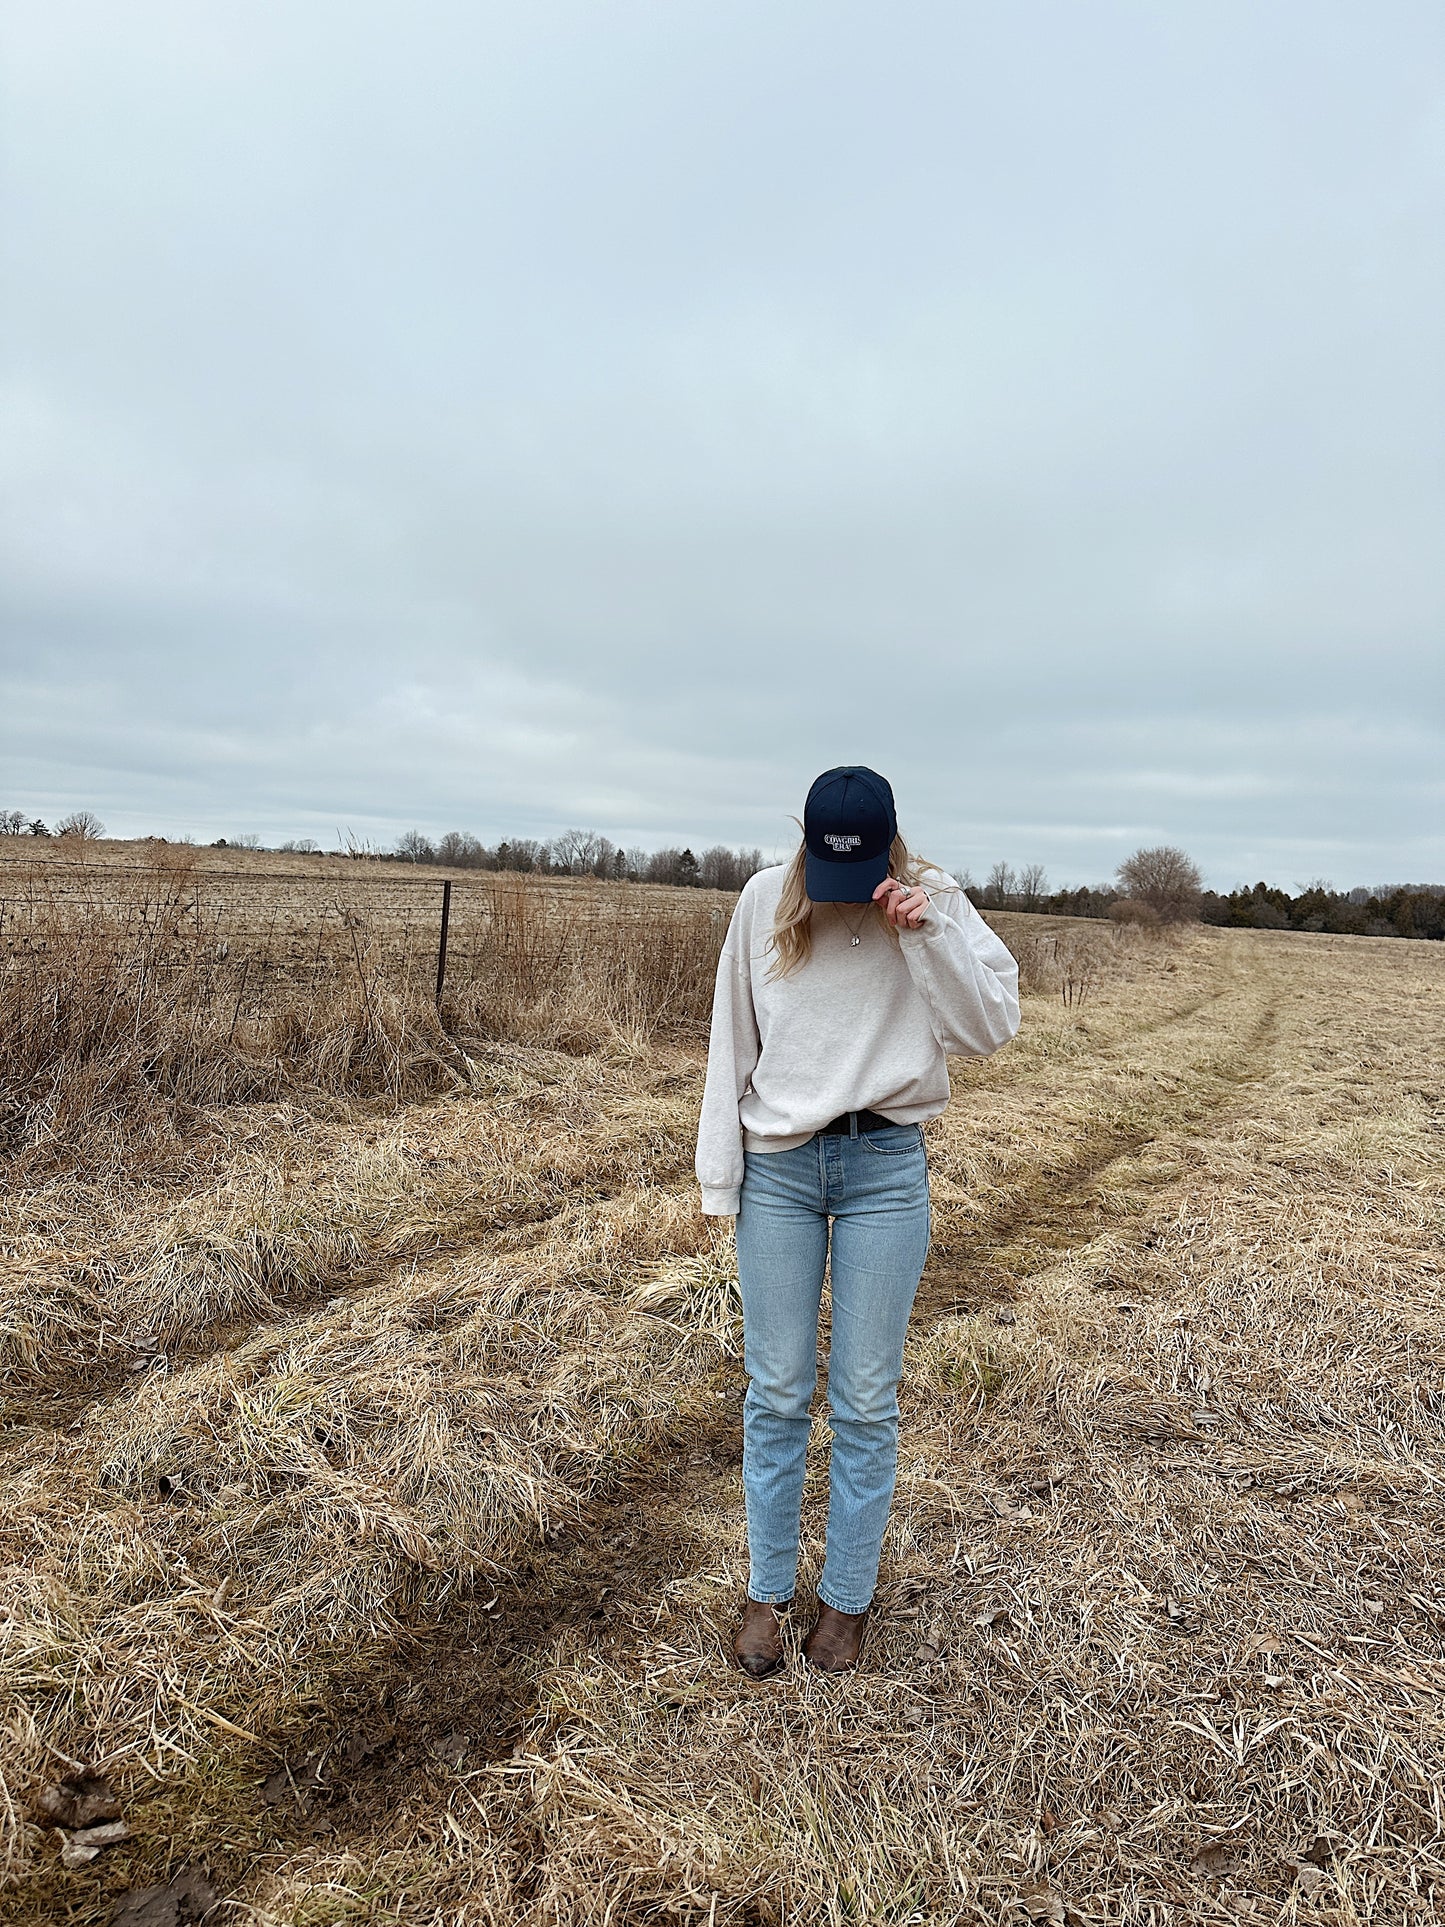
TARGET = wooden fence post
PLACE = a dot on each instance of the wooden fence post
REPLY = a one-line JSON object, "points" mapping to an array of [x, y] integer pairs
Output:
{"points": [[442, 942]]}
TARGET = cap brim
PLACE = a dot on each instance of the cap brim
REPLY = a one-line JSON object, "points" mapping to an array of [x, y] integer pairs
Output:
{"points": [[842, 882]]}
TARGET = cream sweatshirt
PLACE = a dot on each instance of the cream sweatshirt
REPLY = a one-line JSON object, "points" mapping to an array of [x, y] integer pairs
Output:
{"points": [[857, 1027]]}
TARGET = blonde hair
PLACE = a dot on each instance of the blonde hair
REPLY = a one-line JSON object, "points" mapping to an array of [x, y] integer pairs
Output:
{"points": [[792, 937]]}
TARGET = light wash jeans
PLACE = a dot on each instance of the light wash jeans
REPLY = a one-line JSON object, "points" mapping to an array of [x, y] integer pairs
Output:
{"points": [[875, 1189]]}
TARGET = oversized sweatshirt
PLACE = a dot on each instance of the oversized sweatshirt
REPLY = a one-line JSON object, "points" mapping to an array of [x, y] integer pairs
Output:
{"points": [[866, 1026]]}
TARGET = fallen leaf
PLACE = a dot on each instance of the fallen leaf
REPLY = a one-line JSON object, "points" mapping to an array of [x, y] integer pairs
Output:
{"points": [[189, 1897], [360, 1746], [294, 1781], [995, 1616], [1005, 1317], [1213, 1860], [82, 1847], [1319, 1852], [453, 1747], [928, 1652], [1045, 1905], [84, 1800]]}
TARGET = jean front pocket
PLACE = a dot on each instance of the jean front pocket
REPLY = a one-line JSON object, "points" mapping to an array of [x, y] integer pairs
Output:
{"points": [[896, 1141]]}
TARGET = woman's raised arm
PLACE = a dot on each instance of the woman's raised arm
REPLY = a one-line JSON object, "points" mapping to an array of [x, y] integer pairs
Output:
{"points": [[966, 974]]}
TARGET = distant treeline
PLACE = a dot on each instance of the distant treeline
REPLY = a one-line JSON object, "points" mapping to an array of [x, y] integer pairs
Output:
{"points": [[1387, 910], [584, 853], [1161, 884]]}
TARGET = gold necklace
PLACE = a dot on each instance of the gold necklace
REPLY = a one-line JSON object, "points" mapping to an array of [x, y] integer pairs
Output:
{"points": [[855, 928]]}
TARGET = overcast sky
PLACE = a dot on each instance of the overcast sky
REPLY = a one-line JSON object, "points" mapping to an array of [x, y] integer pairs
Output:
{"points": [[512, 417]]}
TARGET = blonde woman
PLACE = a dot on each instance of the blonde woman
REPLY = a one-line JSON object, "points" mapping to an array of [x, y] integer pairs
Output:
{"points": [[847, 978]]}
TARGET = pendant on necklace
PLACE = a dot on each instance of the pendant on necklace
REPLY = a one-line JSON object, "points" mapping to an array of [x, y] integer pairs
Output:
{"points": [[857, 940]]}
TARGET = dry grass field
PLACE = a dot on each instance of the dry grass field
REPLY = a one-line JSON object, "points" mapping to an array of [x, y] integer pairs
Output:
{"points": [[372, 1525]]}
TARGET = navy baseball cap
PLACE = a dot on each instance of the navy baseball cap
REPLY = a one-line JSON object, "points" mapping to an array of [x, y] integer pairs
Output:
{"points": [[849, 825]]}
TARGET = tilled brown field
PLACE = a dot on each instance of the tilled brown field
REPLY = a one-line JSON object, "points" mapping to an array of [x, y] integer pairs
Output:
{"points": [[373, 1527]]}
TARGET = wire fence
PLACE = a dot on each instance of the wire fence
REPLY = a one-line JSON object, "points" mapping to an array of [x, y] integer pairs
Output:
{"points": [[131, 998], [258, 929]]}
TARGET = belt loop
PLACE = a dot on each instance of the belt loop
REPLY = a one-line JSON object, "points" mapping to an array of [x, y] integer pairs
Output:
{"points": [[852, 1124]]}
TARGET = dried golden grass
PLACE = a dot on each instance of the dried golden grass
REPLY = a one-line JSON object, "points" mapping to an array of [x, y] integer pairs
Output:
{"points": [[216, 1539], [1160, 1633], [125, 1012], [1159, 1630], [1161, 1623]]}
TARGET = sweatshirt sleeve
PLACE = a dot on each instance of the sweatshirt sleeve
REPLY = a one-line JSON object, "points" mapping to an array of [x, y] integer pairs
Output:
{"points": [[732, 1056], [965, 973]]}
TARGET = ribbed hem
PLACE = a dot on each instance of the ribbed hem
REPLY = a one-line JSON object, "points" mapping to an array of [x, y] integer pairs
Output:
{"points": [[767, 1145], [721, 1203]]}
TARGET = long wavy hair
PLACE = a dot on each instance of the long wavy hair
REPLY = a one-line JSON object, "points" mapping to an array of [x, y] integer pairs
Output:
{"points": [[792, 938]]}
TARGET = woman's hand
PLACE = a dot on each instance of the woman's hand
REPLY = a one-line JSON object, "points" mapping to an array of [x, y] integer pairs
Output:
{"points": [[903, 903]]}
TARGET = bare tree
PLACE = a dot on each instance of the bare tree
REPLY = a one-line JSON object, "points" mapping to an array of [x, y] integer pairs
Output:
{"points": [[459, 849], [1032, 884], [575, 851], [12, 822], [1002, 884], [415, 848], [1166, 880], [82, 823], [717, 869], [521, 853]]}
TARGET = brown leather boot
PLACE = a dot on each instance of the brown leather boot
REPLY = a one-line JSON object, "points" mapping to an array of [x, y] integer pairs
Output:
{"points": [[836, 1640], [758, 1645]]}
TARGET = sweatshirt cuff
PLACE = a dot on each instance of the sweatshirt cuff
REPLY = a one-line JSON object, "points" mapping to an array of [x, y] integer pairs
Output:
{"points": [[932, 925], [720, 1203]]}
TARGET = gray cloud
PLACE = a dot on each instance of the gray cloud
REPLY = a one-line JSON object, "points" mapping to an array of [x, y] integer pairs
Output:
{"points": [[511, 417]]}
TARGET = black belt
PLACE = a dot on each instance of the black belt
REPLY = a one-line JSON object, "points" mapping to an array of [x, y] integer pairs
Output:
{"points": [[867, 1121]]}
